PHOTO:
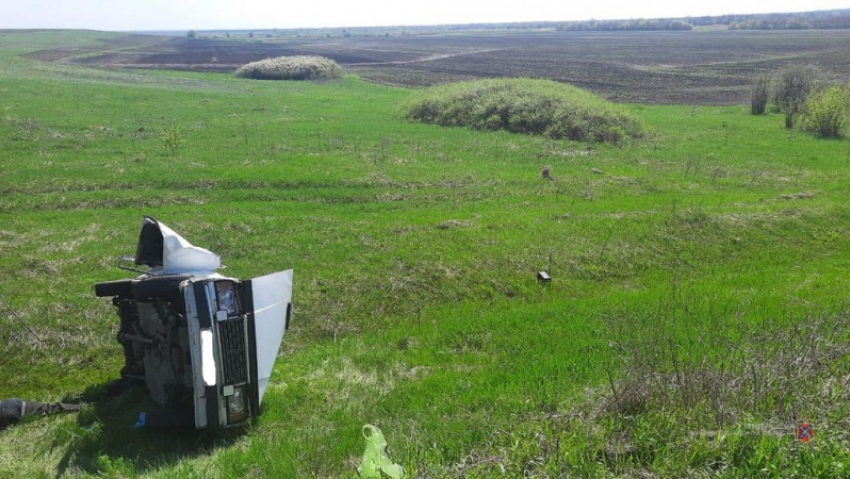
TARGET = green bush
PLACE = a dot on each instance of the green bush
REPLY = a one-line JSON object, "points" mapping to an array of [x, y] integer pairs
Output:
{"points": [[825, 112], [291, 68], [537, 107]]}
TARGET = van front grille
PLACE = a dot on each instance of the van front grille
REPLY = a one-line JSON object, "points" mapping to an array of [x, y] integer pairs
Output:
{"points": [[232, 337]]}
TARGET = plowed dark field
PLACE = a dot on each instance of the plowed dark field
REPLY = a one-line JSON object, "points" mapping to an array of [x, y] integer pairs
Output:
{"points": [[696, 67]]}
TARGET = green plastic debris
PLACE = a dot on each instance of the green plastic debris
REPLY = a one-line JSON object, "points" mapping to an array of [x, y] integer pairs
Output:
{"points": [[376, 460]]}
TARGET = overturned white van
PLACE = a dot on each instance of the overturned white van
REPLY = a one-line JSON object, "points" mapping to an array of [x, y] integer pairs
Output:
{"points": [[198, 340]]}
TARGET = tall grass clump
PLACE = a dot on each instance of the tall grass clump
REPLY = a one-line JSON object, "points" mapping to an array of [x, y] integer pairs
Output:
{"points": [[791, 88], [537, 107], [291, 68], [759, 95]]}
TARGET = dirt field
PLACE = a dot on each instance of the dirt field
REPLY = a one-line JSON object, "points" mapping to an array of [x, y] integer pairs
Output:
{"points": [[698, 67]]}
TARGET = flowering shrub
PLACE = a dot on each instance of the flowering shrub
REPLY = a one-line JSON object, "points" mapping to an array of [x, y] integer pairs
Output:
{"points": [[291, 68]]}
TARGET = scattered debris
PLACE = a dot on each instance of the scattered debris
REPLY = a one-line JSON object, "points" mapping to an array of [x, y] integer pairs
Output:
{"points": [[19, 318], [571, 153], [805, 432], [376, 460], [544, 277], [13, 410], [626, 180], [416, 371], [798, 196], [448, 224]]}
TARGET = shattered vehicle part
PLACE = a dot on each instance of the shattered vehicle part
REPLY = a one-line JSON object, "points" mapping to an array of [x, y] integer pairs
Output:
{"points": [[198, 341]]}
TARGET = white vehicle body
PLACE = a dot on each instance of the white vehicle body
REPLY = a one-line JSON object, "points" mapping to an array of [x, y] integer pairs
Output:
{"points": [[197, 338]]}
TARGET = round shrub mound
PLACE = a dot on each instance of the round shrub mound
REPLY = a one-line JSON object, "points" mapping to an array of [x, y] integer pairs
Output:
{"points": [[291, 68], [538, 107]]}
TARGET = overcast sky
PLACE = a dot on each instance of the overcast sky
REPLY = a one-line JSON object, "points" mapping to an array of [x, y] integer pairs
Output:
{"points": [[124, 15]]}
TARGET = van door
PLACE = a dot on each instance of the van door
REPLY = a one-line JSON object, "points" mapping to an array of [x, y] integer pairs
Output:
{"points": [[267, 301]]}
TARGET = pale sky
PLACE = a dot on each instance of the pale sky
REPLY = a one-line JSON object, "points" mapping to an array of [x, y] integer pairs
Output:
{"points": [[124, 15]]}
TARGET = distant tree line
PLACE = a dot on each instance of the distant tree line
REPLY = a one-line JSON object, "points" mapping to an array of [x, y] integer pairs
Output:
{"points": [[823, 19], [794, 23], [653, 24]]}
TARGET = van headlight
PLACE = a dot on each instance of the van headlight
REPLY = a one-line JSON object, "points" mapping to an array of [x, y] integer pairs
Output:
{"points": [[208, 371], [236, 407]]}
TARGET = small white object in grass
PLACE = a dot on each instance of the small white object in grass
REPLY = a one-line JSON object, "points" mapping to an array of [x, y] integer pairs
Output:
{"points": [[544, 277]]}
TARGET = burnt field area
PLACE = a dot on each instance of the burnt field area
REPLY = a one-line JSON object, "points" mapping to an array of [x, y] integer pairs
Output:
{"points": [[695, 67]]}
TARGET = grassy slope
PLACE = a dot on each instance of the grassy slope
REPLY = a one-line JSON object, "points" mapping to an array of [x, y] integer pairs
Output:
{"points": [[439, 335]]}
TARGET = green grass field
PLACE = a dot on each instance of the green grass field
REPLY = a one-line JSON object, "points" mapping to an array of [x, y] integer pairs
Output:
{"points": [[698, 308]]}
